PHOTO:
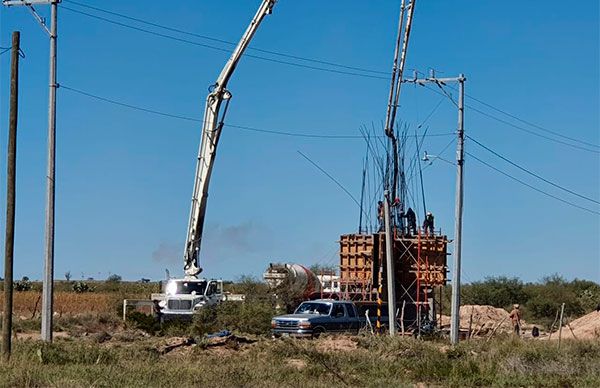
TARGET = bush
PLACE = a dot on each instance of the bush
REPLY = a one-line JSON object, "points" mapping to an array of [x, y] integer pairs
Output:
{"points": [[545, 300], [81, 287], [498, 291], [23, 284], [253, 316], [250, 317], [114, 278], [143, 322]]}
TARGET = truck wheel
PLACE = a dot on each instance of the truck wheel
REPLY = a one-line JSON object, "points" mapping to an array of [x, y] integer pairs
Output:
{"points": [[318, 331]]}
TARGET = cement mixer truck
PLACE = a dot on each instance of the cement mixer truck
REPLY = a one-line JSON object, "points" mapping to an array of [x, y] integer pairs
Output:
{"points": [[292, 284]]}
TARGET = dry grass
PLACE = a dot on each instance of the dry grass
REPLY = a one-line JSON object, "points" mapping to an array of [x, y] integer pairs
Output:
{"points": [[373, 362], [28, 304]]}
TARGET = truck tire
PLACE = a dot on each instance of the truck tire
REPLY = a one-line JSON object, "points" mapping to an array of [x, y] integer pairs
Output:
{"points": [[318, 331]]}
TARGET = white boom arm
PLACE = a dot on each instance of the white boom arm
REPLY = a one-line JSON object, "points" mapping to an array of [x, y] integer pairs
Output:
{"points": [[211, 131]]}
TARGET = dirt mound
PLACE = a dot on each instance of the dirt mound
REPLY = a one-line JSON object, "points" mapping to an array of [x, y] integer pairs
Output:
{"points": [[481, 319], [336, 343], [586, 327]]}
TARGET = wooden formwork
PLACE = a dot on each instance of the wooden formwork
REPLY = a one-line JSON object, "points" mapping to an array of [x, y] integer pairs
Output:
{"points": [[359, 254], [420, 264]]}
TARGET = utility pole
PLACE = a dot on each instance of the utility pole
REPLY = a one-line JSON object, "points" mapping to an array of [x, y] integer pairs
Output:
{"points": [[389, 260], [460, 161], [11, 178], [48, 284], [48, 279]]}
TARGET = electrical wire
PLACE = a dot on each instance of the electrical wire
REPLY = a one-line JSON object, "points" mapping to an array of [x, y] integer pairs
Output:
{"points": [[181, 40], [532, 187], [332, 178], [242, 127], [313, 60], [180, 31], [528, 122], [532, 173], [511, 124]]}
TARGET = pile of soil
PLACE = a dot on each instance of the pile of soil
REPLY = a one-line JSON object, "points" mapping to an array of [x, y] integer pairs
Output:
{"points": [[482, 319], [586, 327]]}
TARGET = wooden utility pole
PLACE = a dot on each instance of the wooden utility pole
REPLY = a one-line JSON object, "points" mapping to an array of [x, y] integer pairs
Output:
{"points": [[11, 178]]}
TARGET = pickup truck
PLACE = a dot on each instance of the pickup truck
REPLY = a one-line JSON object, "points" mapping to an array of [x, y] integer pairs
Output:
{"points": [[316, 317]]}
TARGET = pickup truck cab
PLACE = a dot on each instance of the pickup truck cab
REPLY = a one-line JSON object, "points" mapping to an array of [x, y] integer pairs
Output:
{"points": [[316, 317]]}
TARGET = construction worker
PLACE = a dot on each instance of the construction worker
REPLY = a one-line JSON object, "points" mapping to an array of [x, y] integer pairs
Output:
{"points": [[411, 221], [157, 311], [380, 212], [399, 214], [428, 225], [515, 317]]}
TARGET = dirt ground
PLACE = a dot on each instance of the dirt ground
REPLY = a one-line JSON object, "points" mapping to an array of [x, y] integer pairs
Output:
{"points": [[586, 327], [481, 319]]}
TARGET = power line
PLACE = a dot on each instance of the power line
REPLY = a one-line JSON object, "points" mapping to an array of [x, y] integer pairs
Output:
{"points": [[242, 127], [532, 187], [532, 132], [511, 124], [173, 29], [323, 62], [529, 123], [181, 40], [333, 179], [532, 173]]}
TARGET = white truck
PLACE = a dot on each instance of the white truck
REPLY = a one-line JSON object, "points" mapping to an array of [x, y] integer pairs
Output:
{"points": [[183, 296]]}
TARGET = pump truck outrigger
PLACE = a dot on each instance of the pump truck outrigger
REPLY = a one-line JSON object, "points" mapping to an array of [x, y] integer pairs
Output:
{"points": [[185, 295]]}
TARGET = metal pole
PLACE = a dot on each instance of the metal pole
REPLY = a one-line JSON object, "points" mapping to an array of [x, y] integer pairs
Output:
{"points": [[11, 179], [389, 259], [48, 287], [455, 322]]}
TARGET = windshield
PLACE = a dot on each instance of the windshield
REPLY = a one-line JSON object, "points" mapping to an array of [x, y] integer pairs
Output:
{"points": [[314, 308], [186, 287]]}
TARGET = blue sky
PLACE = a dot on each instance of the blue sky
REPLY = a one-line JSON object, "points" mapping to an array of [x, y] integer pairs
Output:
{"points": [[124, 177]]}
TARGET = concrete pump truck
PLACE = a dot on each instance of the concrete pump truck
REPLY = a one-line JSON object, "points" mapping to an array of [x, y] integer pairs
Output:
{"points": [[183, 296]]}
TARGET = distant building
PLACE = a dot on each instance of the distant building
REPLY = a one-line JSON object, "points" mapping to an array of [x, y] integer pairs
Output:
{"points": [[330, 283]]}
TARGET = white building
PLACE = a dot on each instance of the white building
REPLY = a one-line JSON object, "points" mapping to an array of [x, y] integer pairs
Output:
{"points": [[330, 283]]}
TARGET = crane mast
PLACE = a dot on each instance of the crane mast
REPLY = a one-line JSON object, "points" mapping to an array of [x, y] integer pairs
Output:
{"points": [[211, 131]]}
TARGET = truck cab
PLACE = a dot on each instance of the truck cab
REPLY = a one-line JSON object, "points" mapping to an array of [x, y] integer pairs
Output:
{"points": [[315, 317], [183, 297]]}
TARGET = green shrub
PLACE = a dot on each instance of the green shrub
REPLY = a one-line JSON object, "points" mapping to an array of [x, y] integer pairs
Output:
{"points": [[498, 291], [144, 322], [23, 284], [81, 287], [250, 317]]}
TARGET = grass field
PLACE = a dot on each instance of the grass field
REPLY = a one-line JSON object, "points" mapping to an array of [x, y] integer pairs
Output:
{"points": [[93, 347], [359, 361]]}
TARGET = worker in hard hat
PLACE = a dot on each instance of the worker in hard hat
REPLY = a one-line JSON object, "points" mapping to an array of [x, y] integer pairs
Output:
{"points": [[411, 221], [515, 317], [380, 215], [428, 223]]}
